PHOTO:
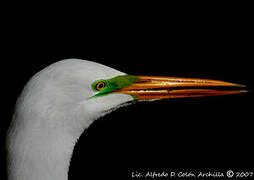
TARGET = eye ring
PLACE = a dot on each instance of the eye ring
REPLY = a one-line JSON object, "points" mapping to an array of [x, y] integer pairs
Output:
{"points": [[100, 85]]}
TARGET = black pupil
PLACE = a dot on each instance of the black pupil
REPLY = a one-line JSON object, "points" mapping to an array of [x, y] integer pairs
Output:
{"points": [[101, 85]]}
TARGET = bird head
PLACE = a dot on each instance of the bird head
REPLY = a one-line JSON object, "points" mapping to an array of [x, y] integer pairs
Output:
{"points": [[72, 93]]}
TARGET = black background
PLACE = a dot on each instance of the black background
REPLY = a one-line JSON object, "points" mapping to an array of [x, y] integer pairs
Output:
{"points": [[192, 40]]}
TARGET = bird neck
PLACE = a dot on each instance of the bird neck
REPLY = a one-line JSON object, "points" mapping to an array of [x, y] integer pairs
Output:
{"points": [[39, 154]]}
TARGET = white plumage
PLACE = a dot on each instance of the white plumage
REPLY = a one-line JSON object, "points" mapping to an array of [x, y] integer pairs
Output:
{"points": [[51, 113]]}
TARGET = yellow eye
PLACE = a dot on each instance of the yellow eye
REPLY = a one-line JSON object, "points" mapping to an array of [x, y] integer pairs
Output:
{"points": [[100, 85]]}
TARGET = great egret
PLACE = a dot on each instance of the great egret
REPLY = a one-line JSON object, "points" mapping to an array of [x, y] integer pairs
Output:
{"points": [[63, 99]]}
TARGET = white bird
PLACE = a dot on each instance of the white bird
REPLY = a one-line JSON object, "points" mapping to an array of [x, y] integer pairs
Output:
{"points": [[62, 100]]}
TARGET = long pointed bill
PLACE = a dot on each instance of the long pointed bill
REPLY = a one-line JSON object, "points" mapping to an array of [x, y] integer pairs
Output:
{"points": [[156, 87]]}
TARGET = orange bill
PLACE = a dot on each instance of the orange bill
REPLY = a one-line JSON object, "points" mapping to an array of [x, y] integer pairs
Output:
{"points": [[157, 87]]}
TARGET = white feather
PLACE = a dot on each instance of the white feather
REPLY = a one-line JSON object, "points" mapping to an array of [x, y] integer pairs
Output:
{"points": [[51, 114]]}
